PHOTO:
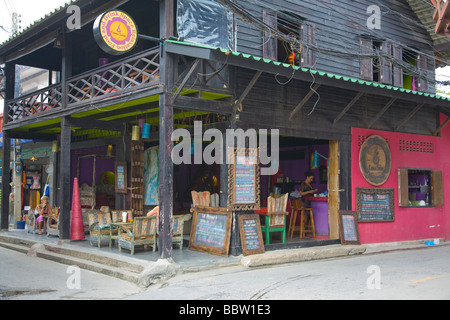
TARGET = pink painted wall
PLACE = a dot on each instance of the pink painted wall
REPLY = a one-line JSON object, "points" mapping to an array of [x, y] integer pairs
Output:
{"points": [[409, 223]]}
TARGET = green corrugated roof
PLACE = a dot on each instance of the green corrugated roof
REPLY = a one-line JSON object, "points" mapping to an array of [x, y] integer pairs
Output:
{"points": [[314, 72]]}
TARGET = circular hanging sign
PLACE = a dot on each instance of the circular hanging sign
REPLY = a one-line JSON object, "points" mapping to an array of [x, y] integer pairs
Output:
{"points": [[375, 160], [115, 32]]}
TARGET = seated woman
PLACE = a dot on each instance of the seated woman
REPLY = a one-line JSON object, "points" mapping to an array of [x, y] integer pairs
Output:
{"points": [[42, 209]]}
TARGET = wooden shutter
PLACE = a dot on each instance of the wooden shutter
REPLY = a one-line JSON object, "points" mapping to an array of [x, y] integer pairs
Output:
{"points": [[397, 53], [422, 65], [366, 64], [403, 190], [385, 63], [437, 188], [270, 43], [309, 38]]}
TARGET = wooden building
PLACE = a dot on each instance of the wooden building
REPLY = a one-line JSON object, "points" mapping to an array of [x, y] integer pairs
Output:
{"points": [[322, 73]]}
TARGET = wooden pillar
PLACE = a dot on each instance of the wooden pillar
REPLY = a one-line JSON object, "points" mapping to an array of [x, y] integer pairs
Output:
{"points": [[165, 132], [64, 196], [64, 174], [333, 190], [10, 75], [6, 179]]}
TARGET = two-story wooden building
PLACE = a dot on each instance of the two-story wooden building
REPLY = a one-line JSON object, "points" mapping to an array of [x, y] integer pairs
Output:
{"points": [[327, 74]]}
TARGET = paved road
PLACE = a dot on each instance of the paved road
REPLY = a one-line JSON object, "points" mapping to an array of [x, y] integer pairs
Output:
{"points": [[27, 278], [408, 274]]}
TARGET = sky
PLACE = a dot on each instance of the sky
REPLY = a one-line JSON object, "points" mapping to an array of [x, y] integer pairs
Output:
{"points": [[30, 10]]}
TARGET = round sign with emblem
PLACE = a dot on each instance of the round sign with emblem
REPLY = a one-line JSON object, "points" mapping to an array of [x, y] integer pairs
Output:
{"points": [[115, 32], [375, 160]]}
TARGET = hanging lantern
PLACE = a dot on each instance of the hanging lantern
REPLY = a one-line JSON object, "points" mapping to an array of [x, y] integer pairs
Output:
{"points": [[55, 146], [146, 131], [109, 151], [135, 133]]}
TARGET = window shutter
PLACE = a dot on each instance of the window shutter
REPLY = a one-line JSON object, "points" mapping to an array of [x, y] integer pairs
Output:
{"points": [[397, 53], [422, 66], [309, 38], [438, 193], [366, 64], [403, 190], [385, 63], [270, 43]]}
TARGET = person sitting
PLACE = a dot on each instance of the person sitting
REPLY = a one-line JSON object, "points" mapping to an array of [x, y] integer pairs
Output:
{"points": [[42, 209]]}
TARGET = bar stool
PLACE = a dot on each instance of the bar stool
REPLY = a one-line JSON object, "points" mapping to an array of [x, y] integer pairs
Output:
{"points": [[304, 228], [296, 206]]}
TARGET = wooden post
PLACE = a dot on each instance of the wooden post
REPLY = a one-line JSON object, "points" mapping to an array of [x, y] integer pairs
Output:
{"points": [[64, 174], [65, 201], [6, 177], [165, 133]]}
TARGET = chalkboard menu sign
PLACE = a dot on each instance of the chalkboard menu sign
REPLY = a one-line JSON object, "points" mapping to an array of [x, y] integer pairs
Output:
{"points": [[375, 204], [243, 180], [211, 229], [251, 237], [348, 227]]}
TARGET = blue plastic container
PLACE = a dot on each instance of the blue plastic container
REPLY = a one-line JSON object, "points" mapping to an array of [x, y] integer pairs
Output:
{"points": [[20, 224]]}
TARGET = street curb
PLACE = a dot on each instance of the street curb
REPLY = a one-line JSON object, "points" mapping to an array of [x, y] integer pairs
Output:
{"points": [[301, 254]]}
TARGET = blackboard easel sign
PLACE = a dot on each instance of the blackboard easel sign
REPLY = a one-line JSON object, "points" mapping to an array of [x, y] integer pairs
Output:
{"points": [[251, 236], [348, 227], [211, 230], [375, 204], [243, 179]]}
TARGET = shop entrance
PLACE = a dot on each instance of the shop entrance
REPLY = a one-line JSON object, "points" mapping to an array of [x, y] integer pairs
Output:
{"points": [[298, 158]]}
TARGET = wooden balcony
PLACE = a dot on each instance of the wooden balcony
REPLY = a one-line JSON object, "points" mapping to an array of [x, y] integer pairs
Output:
{"points": [[136, 73]]}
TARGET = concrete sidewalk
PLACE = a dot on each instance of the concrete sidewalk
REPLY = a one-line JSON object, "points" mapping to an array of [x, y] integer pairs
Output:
{"points": [[145, 268]]}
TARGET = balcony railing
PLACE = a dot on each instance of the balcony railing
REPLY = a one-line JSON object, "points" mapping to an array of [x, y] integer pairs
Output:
{"points": [[138, 72]]}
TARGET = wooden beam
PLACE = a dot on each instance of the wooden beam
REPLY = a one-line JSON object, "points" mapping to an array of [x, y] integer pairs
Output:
{"points": [[410, 115], [237, 105], [304, 101], [436, 132], [348, 106], [96, 124], [198, 104], [378, 116], [186, 78]]}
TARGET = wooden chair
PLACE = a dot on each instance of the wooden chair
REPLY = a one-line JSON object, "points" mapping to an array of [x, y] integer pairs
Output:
{"points": [[99, 227], [53, 226], [201, 198], [143, 232], [305, 228], [296, 207], [177, 233], [116, 215], [275, 218]]}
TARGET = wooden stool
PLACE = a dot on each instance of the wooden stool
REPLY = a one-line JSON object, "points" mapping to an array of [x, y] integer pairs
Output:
{"points": [[296, 206], [306, 228]]}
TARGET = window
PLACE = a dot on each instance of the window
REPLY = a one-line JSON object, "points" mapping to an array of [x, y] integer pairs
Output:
{"points": [[289, 26], [391, 64], [420, 187]]}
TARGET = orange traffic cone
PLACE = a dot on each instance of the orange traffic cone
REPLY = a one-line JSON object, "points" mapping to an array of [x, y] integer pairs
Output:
{"points": [[76, 225]]}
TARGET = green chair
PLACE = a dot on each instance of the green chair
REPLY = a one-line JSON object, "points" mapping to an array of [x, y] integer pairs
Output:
{"points": [[275, 218]]}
